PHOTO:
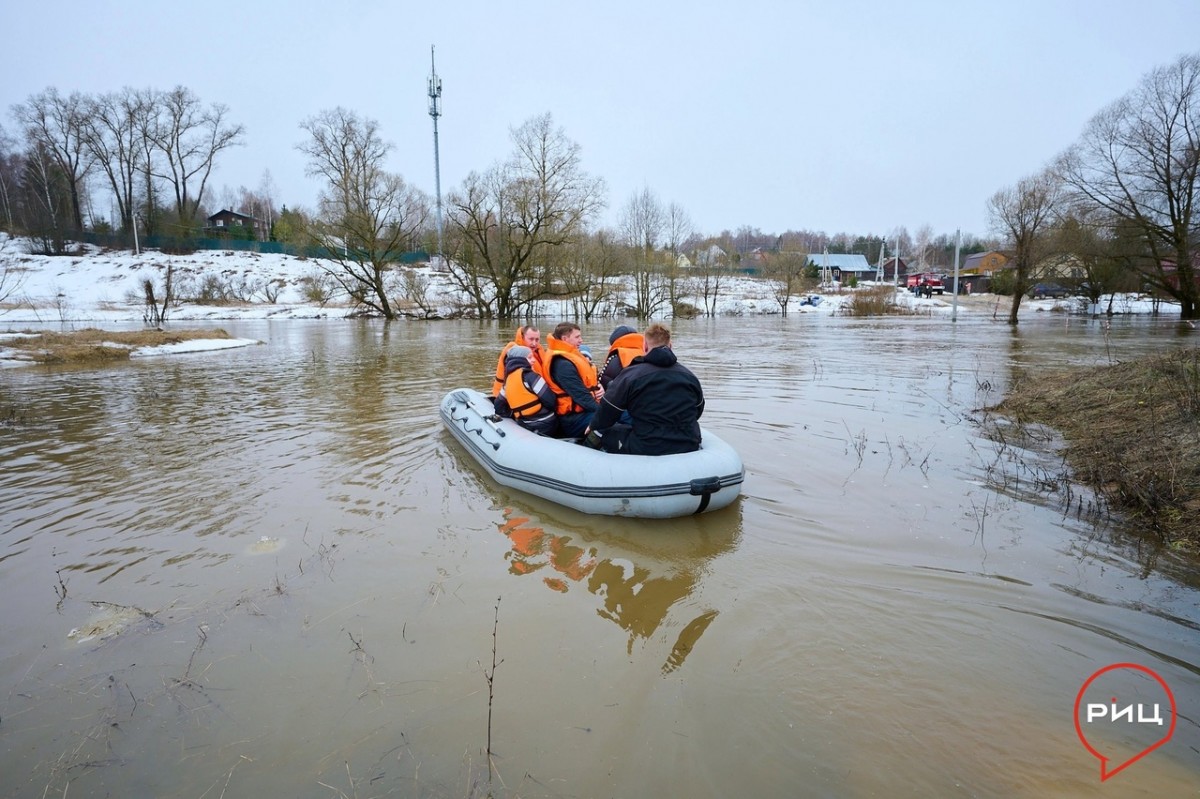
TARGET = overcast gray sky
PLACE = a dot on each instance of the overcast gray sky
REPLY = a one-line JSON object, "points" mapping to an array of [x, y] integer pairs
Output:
{"points": [[857, 116]]}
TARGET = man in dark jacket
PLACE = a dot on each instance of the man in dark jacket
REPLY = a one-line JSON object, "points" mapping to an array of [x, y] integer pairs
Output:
{"points": [[573, 379], [663, 398]]}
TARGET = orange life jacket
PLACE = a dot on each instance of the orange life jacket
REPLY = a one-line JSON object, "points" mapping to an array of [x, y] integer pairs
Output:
{"points": [[587, 373], [625, 349], [523, 403], [537, 359]]}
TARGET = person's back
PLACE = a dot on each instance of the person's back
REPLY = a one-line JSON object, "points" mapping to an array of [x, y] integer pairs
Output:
{"points": [[664, 401], [624, 345], [525, 395]]}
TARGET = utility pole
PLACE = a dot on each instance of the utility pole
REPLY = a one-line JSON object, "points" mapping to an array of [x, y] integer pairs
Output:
{"points": [[435, 111], [957, 251]]}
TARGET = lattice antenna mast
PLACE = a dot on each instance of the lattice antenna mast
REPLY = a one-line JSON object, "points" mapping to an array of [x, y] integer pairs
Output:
{"points": [[435, 111]]}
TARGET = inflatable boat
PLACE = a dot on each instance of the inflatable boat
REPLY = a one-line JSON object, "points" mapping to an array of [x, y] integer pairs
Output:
{"points": [[588, 480]]}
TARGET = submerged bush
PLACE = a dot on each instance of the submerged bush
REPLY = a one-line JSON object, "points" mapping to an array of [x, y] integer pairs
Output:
{"points": [[875, 301]]}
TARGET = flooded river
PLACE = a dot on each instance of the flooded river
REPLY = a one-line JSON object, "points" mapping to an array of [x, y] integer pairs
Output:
{"points": [[270, 572]]}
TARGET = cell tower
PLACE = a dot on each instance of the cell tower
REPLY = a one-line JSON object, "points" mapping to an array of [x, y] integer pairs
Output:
{"points": [[435, 111]]}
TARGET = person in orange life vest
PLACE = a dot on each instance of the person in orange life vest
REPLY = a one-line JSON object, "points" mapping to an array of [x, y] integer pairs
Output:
{"points": [[624, 345], [573, 379], [527, 336], [525, 395], [664, 400]]}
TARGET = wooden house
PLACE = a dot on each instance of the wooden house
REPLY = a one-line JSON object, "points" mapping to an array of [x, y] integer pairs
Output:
{"points": [[223, 223]]}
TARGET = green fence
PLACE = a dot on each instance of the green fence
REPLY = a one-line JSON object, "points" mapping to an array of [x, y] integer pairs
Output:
{"points": [[182, 245]]}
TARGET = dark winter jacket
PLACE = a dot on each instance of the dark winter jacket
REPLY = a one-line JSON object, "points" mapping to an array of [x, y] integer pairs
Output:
{"points": [[621, 353], [535, 407], [664, 401], [564, 373]]}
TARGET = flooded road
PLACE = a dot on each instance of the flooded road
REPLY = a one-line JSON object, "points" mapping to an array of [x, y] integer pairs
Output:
{"points": [[270, 572]]}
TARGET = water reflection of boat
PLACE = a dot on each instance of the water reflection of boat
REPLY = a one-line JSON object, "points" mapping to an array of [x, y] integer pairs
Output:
{"points": [[665, 486], [639, 582]]}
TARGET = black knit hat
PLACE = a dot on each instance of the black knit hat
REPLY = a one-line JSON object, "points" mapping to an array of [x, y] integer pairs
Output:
{"points": [[623, 330]]}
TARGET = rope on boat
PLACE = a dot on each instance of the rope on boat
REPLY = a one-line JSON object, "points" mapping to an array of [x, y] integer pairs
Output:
{"points": [[476, 430]]}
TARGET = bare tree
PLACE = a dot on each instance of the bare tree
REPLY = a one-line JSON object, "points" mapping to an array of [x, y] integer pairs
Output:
{"points": [[711, 267], [678, 231], [643, 223], [255, 204], [9, 171], [922, 246], [56, 124], [785, 271], [678, 228], [149, 131], [1139, 161], [368, 216], [190, 137], [266, 195], [591, 273], [112, 132], [45, 198], [508, 226], [1025, 215]]}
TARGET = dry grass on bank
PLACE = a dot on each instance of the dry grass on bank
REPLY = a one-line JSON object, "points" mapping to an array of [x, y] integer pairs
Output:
{"points": [[1132, 433], [92, 345], [875, 301]]}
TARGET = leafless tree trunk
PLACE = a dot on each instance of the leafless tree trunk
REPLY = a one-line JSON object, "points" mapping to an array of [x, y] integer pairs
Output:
{"points": [[643, 223], [190, 137], [1025, 214], [679, 232], [368, 217], [112, 134], [507, 227], [785, 270], [57, 124], [922, 243], [150, 127], [8, 175], [590, 273], [44, 198], [1139, 161]]}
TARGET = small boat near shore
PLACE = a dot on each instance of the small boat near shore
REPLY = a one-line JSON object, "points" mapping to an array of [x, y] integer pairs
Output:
{"points": [[588, 480]]}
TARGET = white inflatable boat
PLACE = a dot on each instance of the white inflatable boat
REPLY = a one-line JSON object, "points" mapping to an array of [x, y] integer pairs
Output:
{"points": [[588, 480]]}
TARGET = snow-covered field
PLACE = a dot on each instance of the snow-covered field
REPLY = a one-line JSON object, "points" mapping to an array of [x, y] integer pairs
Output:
{"points": [[98, 287]]}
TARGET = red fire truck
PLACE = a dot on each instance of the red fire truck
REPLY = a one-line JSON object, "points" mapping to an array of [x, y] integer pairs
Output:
{"points": [[926, 283]]}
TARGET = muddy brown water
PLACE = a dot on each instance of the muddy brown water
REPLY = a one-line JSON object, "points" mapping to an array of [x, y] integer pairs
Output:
{"points": [[270, 572]]}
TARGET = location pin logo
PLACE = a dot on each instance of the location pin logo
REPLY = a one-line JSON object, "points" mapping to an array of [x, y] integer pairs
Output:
{"points": [[1110, 717]]}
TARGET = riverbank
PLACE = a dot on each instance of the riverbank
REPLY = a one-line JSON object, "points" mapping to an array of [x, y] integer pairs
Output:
{"points": [[97, 287], [94, 346], [1132, 433]]}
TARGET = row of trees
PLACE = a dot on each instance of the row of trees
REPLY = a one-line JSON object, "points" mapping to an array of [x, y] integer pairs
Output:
{"points": [[1120, 203], [519, 232], [153, 151]]}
